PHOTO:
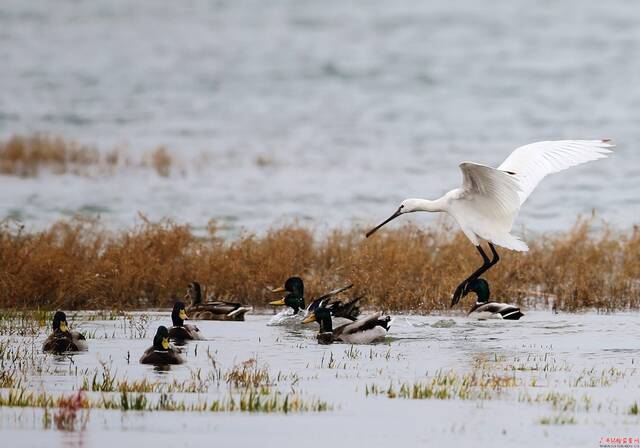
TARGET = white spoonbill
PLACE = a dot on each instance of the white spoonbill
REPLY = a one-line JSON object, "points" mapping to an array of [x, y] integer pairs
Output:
{"points": [[490, 198]]}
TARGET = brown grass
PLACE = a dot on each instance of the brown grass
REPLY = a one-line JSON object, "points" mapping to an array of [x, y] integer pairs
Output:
{"points": [[28, 156], [79, 265]]}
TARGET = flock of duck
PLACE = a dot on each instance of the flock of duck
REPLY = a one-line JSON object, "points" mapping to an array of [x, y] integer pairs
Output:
{"points": [[323, 310], [485, 207]]}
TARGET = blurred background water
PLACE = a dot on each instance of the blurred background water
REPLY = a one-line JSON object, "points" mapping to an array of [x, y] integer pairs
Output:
{"points": [[354, 105]]}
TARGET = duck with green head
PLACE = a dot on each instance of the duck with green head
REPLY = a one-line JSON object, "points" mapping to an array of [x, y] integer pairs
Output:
{"points": [[365, 330], [161, 352], [217, 310], [62, 339], [295, 303], [180, 331], [294, 287], [486, 309]]}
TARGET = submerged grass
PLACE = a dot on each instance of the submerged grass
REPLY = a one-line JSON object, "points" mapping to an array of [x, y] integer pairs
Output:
{"points": [[248, 401], [477, 385], [78, 264], [561, 419], [246, 387]]}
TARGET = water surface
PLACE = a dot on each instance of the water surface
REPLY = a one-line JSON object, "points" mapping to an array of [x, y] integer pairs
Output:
{"points": [[588, 357], [353, 105]]}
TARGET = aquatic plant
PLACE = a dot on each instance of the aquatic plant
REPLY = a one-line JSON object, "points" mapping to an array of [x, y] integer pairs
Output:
{"points": [[251, 400], [69, 412], [248, 374], [561, 419], [28, 156], [475, 385], [78, 264]]}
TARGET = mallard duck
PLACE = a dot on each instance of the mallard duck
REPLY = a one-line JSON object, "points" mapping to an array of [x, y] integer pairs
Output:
{"points": [[484, 309], [294, 301], [363, 331], [62, 339], [161, 353], [180, 331], [294, 287], [218, 310]]}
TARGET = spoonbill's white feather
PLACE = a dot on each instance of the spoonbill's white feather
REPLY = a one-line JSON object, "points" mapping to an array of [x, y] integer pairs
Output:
{"points": [[531, 163], [487, 205]]}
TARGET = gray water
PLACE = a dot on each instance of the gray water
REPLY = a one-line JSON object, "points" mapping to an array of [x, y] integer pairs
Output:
{"points": [[356, 105], [590, 358]]}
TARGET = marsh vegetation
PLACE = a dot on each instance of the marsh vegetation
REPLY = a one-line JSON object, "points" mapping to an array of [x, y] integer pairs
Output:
{"points": [[78, 264]]}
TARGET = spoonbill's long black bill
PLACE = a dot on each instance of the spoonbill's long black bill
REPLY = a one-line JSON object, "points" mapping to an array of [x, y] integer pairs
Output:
{"points": [[390, 218]]}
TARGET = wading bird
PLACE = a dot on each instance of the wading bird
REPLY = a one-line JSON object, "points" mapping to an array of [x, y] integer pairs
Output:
{"points": [[490, 198]]}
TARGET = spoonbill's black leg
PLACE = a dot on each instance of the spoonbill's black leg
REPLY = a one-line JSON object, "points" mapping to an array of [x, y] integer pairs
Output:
{"points": [[496, 257], [461, 290]]}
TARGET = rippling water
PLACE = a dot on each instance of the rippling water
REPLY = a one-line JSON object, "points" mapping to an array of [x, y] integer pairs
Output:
{"points": [[578, 356], [358, 104]]}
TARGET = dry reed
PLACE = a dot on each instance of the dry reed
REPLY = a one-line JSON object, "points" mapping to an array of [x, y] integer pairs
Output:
{"points": [[79, 265], [28, 156]]}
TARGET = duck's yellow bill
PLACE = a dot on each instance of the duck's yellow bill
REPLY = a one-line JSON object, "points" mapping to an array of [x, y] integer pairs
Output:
{"points": [[63, 326], [165, 343], [310, 318], [280, 289], [277, 302], [183, 315]]}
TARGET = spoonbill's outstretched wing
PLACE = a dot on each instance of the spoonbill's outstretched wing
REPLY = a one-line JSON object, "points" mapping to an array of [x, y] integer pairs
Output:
{"points": [[531, 163], [487, 205]]}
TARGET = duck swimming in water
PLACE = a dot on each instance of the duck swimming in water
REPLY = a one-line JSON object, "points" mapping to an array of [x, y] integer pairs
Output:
{"points": [[62, 339], [161, 353], [218, 310], [180, 331], [296, 311], [484, 309], [365, 330]]}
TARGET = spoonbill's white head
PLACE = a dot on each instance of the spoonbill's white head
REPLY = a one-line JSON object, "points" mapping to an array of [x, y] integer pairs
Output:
{"points": [[406, 206], [411, 205]]}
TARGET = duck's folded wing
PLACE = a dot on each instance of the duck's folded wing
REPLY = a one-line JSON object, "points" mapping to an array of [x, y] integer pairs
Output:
{"points": [[192, 329], [491, 307], [78, 336], [505, 310], [224, 307], [363, 324]]}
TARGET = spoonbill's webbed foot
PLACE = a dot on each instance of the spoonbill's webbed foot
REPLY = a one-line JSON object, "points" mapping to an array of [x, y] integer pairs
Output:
{"points": [[462, 290]]}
